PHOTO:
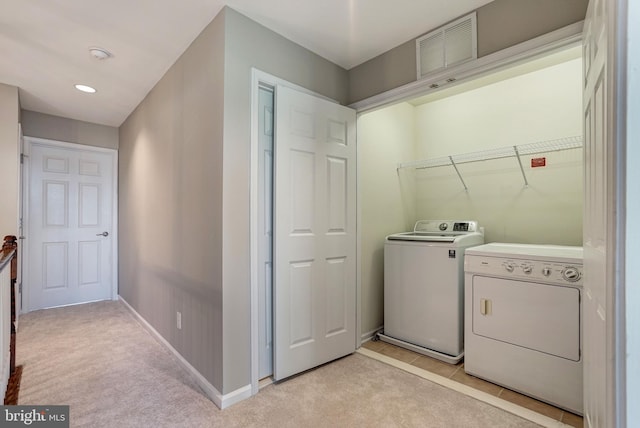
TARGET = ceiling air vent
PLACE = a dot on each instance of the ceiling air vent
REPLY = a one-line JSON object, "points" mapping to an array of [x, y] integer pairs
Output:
{"points": [[450, 45]]}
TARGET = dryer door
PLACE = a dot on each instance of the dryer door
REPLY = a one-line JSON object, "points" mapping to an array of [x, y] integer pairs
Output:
{"points": [[544, 318]]}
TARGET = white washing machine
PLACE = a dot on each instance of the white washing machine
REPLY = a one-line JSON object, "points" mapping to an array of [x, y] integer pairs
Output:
{"points": [[424, 287], [523, 320]]}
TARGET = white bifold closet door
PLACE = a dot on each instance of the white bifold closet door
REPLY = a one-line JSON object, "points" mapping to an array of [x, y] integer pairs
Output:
{"points": [[315, 232]]}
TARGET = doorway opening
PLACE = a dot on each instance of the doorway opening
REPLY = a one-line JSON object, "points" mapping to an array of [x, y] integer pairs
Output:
{"points": [[402, 179], [536, 101]]}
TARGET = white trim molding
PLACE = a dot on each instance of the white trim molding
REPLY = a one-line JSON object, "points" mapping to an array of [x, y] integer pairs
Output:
{"points": [[221, 400]]}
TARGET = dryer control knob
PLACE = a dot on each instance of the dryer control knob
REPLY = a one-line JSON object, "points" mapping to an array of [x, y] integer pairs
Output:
{"points": [[546, 271], [509, 267], [571, 274], [527, 269]]}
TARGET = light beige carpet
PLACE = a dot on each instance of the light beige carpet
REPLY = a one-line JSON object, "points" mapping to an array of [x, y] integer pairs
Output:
{"points": [[113, 373]]}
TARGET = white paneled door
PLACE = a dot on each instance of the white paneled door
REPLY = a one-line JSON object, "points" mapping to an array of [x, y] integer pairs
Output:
{"points": [[70, 225], [315, 232], [265, 231]]}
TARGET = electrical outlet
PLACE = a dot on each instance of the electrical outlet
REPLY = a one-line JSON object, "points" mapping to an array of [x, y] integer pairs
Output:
{"points": [[179, 320]]}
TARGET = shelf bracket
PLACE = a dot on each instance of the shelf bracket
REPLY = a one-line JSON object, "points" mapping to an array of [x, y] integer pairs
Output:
{"points": [[453, 164], [524, 176]]}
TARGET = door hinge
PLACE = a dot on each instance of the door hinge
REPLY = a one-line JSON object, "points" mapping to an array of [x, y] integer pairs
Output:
{"points": [[20, 287], [22, 156]]}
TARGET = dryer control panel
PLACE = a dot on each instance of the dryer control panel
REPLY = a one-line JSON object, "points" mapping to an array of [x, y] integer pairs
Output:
{"points": [[536, 270]]}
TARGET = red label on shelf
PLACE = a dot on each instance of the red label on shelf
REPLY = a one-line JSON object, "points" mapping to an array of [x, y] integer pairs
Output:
{"points": [[536, 162]]}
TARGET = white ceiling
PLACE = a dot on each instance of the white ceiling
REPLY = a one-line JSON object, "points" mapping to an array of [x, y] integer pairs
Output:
{"points": [[44, 43]]}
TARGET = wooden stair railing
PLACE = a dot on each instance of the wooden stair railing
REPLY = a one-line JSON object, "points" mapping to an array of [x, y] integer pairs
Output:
{"points": [[11, 244]]}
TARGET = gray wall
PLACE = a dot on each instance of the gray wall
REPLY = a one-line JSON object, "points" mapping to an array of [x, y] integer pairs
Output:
{"points": [[9, 116], [184, 191], [501, 24], [170, 204], [504, 23], [42, 125]]}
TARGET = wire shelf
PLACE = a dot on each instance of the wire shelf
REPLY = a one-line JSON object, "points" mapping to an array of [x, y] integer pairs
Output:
{"points": [[516, 151]]}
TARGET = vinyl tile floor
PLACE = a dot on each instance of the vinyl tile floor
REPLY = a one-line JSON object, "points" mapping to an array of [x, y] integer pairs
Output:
{"points": [[457, 373]]}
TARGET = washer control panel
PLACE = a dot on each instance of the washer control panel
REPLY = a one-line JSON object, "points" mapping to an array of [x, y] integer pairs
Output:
{"points": [[544, 271]]}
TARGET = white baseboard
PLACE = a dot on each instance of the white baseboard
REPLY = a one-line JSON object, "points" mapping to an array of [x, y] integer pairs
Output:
{"points": [[220, 400], [235, 396]]}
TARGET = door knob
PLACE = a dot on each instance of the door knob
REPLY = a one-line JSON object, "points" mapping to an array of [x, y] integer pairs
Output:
{"points": [[102, 234]]}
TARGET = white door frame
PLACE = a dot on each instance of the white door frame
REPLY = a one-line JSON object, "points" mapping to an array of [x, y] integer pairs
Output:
{"points": [[631, 14], [28, 142], [259, 78]]}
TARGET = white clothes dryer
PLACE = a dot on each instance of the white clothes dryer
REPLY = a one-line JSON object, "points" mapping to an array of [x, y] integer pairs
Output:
{"points": [[424, 287], [523, 320]]}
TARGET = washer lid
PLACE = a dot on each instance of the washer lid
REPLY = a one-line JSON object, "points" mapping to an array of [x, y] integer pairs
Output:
{"points": [[422, 236]]}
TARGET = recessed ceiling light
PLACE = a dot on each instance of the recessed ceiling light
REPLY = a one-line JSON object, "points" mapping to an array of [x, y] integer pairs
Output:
{"points": [[100, 53], [85, 88]]}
